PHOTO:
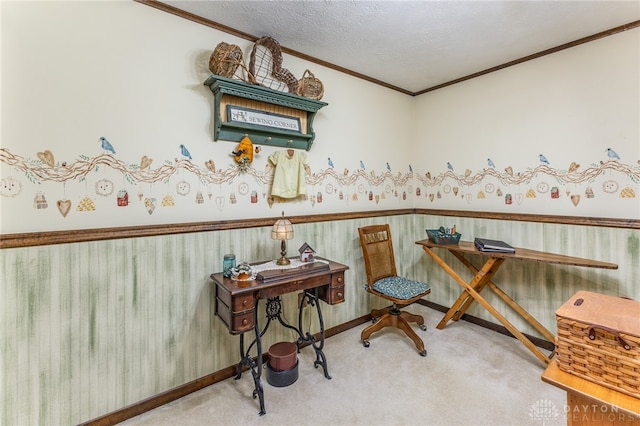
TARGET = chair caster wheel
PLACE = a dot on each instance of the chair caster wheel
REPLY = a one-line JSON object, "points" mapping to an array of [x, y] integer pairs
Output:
{"points": [[423, 353], [423, 327], [365, 343]]}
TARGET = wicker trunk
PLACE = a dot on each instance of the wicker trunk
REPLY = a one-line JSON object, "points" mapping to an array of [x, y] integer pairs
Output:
{"points": [[599, 340]]}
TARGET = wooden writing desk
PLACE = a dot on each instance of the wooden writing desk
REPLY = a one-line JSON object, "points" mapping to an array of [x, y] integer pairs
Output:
{"points": [[236, 305], [483, 278], [591, 404]]}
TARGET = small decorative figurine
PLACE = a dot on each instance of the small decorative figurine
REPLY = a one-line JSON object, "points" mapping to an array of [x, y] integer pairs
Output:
{"points": [[306, 253], [243, 155], [242, 272]]}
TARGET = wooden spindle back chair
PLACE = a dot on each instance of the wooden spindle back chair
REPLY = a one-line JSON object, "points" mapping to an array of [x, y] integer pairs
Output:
{"points": [[383, 281]]}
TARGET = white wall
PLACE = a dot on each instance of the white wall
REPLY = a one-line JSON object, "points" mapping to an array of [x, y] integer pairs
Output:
{"points": [[569, 106], [75, 71], [134, 75]]}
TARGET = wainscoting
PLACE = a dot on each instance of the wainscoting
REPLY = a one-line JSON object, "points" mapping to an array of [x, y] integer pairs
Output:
{"points": [[93, 326]]}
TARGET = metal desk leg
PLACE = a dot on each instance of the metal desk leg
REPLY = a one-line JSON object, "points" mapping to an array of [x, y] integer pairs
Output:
{"points": [[257, 372], [274, 311], [321, 359], [255, 366]]}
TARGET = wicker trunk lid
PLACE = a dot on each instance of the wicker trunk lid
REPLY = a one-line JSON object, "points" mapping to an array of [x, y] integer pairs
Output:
{"points": [[599, 340]]}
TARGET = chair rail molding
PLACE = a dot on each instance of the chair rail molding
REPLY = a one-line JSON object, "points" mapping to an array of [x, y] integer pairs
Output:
{"points": [[84, 235]]}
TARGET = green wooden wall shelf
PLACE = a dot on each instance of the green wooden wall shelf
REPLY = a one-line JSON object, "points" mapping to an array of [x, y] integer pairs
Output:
{"points": [[280, 110]]}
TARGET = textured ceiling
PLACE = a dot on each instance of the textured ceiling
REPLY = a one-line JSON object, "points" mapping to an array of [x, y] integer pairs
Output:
{"points": [[417, 45]]}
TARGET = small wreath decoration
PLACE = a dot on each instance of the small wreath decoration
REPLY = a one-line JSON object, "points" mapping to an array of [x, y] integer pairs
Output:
{"points": [[265, 65]]}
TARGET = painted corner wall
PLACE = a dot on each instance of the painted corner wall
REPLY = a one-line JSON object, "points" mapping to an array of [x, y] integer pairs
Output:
{"points": [[570, 107], [556, 135]]}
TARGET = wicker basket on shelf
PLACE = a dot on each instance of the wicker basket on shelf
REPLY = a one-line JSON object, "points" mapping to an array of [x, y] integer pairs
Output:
{"points": [[309, 86], [225, 59]]}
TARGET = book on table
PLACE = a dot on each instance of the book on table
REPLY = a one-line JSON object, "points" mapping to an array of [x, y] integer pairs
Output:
{"points": [[493, 246]]}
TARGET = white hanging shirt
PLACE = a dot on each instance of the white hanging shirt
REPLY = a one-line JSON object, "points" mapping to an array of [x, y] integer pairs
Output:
{"points": [[289, 175]]}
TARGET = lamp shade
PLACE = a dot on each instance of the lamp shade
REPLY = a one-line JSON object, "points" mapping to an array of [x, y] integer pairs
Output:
{"points": [[282, 229]]}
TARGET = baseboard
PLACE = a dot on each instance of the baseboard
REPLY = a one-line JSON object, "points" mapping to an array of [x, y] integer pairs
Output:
{"points": [[178, 392]]}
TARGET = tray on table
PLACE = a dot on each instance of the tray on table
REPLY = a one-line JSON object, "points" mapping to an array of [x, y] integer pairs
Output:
{"points": [[440, 237]]}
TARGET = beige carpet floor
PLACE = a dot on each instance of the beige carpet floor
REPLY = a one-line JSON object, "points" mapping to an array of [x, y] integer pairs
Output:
{"points": [[470, 376]]}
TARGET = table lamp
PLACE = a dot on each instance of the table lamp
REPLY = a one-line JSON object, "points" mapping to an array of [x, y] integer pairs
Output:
{"points": [[282, 230]]}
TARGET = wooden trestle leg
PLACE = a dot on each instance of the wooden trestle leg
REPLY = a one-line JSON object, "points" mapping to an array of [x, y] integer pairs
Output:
{"points": [[471, 291]]}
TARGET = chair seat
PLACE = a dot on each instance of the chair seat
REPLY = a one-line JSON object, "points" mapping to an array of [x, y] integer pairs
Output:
{"points": [[400, 287]]}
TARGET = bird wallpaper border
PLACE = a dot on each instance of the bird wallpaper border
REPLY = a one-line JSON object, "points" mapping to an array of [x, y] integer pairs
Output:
{"points": [[186, 177]]}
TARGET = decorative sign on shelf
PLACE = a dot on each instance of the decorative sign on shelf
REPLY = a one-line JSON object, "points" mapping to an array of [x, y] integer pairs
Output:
{"points": [[262, 118], [266, 116]]}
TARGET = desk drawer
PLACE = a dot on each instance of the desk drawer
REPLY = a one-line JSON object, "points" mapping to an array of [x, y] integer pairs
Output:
{"points": [[236, 322], [242, 303], [334, 292], [237, 303], [331, 295]]}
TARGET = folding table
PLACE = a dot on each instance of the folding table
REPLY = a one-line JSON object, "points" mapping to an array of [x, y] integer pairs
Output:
{"points": [[483, 278]]}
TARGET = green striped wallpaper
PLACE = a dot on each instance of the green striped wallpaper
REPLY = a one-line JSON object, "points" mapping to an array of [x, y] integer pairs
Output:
{"points": [[89, 328]]}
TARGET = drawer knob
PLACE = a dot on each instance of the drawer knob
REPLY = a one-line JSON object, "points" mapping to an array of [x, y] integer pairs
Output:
{"points": [[340, 295], [245, 322], [244, 302], [340, 280]]}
